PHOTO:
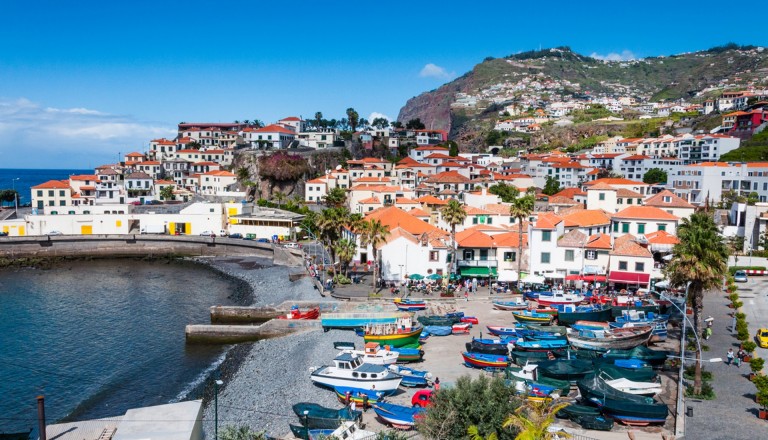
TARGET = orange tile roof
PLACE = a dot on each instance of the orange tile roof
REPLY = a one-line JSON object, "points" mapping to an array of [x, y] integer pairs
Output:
{"points": [[645, 213], [572, 238], [432, 200], [53, 184], [84, 177], [497, 208], [657, 200], [472, 238], [587, 218], [431, 148], [599, 241], [628, 193], [661, 237], [471, 210], [317, 180], [418, 212], [392, 217], [407, 161], [636, 157], [291, 118], [600, 186], [438, 156], [370, 201], [405, 201], [447, 177], [272, 128], [615, 181], [509, 240], [547, 221], [560, 200], [630, 248], [571, 193], [575, 165], [163, 141]]}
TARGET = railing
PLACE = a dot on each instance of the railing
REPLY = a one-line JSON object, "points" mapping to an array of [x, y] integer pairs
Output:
{"points": [[478, 263]]}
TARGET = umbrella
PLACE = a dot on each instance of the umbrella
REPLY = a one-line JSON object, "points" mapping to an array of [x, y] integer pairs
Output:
{"points": [[416, 276], [663, 284], [434, 276], [454, 276], [507, 275], [534, 279]]}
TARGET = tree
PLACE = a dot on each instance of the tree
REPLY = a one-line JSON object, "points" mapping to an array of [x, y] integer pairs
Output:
{"points": [[335, 198], [194, 145], [353, 118], [701, 261], [453, 214], [453, 148], [534, 418], [345, 249], [507, 193], [318, 119], [482, 402], [736, 246], [279, 197], [415, 124], [764, 240], [240, 433], [329, 224], [474, 434], [243, 174], [8, 195], [522, 207], [373, 233], [552, 186], [397, 124], [380, 123], [167, 193], [655, 175]]}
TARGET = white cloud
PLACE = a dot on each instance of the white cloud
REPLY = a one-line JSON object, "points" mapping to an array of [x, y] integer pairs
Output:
{"points": [[625, 55], [375, 115], [434, 71], [33, 135]]}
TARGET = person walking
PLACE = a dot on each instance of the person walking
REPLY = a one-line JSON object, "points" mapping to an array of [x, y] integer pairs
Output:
{"points": [[740, 357], [437, 384], [729, 357]]}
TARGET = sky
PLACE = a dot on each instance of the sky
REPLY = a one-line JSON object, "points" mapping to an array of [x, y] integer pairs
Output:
{"points": [[82, 82]]}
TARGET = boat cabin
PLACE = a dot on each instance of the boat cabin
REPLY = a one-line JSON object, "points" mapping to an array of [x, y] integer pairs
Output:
{"points": [[347, 361], [372, 348], [357, 368]]}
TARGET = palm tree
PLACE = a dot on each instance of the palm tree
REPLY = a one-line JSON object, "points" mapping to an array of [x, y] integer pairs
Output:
{"points": [[318, 119], [521, 209], [279, 197], [533, 419], [243, 174], [701, 261], [453, 214], [474, 434], [374, 233], [335, 198], [346, 250]]}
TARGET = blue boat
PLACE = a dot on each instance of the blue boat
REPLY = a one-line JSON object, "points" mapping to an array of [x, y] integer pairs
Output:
{"points": [[358, 394], [502, 331], [411, 377], [536, 335], [438, 330], [634, 318], [409, 354], [398, 416], [455, 315], [358, 320], [542, 345], [630, 363], [485, 361]]}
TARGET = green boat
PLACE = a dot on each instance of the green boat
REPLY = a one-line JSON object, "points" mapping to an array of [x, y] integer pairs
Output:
{"points": [[575, 410], [625, 407], [533, 357], [655, 358], [594, 422], [438, 320], [616, 310], [563, 385], [566, 369], [569, 317], [559, 329], [645, 374]]}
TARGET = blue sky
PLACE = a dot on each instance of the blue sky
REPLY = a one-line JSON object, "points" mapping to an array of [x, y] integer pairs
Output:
{"points": [[81, 81]]}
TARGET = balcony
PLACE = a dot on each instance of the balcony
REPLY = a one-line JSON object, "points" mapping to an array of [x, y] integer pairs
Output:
{"points": [[478, 263]]}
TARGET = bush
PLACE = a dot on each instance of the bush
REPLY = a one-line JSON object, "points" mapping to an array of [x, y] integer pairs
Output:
{"points": [[749, 347], [707, 393], [341, 279], [741, 316], [742, 335], [737, 304], [690, 372], [733, 297], [757, 364]]}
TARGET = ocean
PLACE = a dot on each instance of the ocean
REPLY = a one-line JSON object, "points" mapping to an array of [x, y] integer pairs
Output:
{"points": [[29, 178], [100, 337]]}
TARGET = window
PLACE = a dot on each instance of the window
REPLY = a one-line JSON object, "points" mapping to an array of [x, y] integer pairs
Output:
{"points": [[639, 267], [629, 201], [469, 254], [569, 255], [641, 228], [622, 265], [661, 226], [625, 228], [474, 220], [39, 193], [545, 257], [601, 196], [510, 256], [546, 235], [591, 255], [667, 199], [620, 202], [50, 193], [433, 255], [615, 227]]}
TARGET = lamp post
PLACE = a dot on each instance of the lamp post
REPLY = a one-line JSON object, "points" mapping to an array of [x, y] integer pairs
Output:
{"points": [[15, 198], [322, 251], [216, 384]]}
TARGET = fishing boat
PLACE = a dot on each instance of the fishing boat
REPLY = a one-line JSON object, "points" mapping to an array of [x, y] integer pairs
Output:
{"points": [[559, 297], [570, 314], [542, 345], [655, 358], [536, 392], [534, 357], [530, 316], [358, 319], [529, 374], [565, 369], [476, 346], [399, 416], [295, 313], [638, 388], [358, 395], [516, 304], [409, 305], [412, 377], [350, 371], [575, 410], [627, 408], [402, 332], [551, 311], [470, 319], [619, 338], [410, 354], [461, 328], [485, 361], [343, 345], [594, 422], [438, 320], [636, 318], [636, 374], [438, 330], [314, 416], [590, 325], [545, 327], [375, 354], [347, 430], [535, 295], [618, 310], [497, 330]]}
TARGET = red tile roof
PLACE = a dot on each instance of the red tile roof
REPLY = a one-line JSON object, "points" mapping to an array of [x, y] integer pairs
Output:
{"points": [[645, 213], [657, 200], [547, 221], [53, 184]]}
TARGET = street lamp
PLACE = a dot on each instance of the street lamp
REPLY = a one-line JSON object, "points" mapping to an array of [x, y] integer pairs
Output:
{"points": [[322, 251], [216, 384], [15, 198]]}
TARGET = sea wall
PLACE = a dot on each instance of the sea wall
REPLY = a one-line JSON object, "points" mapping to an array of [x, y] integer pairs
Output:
{"points": [[128, 245]]}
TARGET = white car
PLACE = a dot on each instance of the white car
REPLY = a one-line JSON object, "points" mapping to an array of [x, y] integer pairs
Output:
{"points": [[207, 234], [54, 233], [740, 276]]}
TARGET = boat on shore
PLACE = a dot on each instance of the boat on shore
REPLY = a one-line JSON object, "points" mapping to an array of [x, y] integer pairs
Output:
{"points": [[531, 316], [570, 314], [541, 345], [461, 328], [412, 377], [497, 349], [498, 330], [398, 416], [357, 395], [438, 320], [559, 298], [632, 387], [485, 361], [375, 354], [438, 330], [627, 408], [619, 338], [350, 371], [410, 354], [295, 313], [565, 369], [314, 416], [355, 320], [398, 334], [516, 304], [409, 305]]}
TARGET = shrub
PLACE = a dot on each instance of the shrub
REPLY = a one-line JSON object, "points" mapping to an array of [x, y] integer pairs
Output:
{"points": [[749, 347], [707, 393], [737, 304], [690, 372], [742, 335], [757, 364], [741, 325], [741, 316], [733, 297], [732, 270], [341, 279]]}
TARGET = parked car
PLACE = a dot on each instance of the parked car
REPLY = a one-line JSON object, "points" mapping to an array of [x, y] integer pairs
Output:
{"points": [[236, 235], [292, 245], [762, 337], [422, 398], [263, 240], [740, 276], [207, 234], [250, 237], [136, 203], [54, 232], [3, 234], [223, 233]]}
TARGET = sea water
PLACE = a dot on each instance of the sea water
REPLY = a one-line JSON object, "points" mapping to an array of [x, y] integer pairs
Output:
{"points": [[97, 338]]}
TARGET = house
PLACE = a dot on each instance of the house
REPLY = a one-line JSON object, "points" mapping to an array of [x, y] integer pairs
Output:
{"points": [[631, 263], [162, 149], [139, 186], [542, 238], [293, 123], [669, 202], [419, 154], [642, 220], [215, 182], [52, 197], [272, 136], [404, 253]]}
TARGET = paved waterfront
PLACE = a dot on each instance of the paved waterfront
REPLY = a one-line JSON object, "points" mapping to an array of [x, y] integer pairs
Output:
{"points": [[733, 415]]}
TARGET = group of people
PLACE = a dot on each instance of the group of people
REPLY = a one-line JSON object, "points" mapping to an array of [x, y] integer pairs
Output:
{"points": [[735, 359]]}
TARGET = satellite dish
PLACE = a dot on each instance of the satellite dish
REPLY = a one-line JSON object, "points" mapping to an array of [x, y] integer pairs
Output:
{"points": [[338, 167]]}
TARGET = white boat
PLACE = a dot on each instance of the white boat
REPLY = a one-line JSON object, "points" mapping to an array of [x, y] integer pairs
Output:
{"points": [[350, 371], [638, 388], [559, 297], [347, 431], [374, 354]]}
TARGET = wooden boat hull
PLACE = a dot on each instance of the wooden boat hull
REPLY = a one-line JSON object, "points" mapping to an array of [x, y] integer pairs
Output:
{"points": [[357, 395], [627, 408], [566, 369], [520, 317], [319, 417], [398, 415], [407, 354], [437, 320], [396, 339], [501, 331], [510, 305], [570, 318], [358, 320], [309, 314], [484, 361], [411, 307], [461, 329], [620, 341]]}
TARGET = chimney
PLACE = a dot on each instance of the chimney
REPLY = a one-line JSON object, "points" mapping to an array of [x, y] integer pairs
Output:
{"points": [[41, 416]]}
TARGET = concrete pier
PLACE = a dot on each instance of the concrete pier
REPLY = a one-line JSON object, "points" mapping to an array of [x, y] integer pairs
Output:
{"points": [[249, 315], [230, 334]]}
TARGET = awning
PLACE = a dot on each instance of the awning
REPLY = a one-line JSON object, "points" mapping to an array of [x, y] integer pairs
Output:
{"points": [[478, 271], [629, 277], [533, 279], [553, 275], [591, 278], [508, 275]]}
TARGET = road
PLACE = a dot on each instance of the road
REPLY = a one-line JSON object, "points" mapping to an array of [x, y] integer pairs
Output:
{"points": [[754, 295]]}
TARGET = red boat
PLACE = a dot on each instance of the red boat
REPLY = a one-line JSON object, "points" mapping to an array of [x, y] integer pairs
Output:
{"points": [[470, 319], [461, 328], [296, 314]]}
